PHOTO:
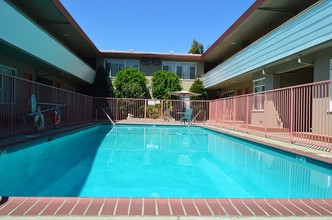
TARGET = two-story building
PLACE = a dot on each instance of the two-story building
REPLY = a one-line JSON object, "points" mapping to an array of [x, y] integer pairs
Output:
{"points": [[274, 44]]}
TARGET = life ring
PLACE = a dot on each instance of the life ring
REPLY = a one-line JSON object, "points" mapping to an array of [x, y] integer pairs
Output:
{"points": [[33, 103], [57, 117], [39, 121]]}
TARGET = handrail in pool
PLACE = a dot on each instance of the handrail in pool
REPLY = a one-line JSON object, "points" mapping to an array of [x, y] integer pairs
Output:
{"points": [[197, 116], [109, 118]]}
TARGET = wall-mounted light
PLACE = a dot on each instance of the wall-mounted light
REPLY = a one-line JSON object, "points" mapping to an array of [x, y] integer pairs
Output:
{"points": [[263, 71], [299, 60]]}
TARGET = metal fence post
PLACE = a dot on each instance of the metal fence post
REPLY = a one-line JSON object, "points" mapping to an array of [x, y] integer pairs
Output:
{"points": [[265, 113], [11, 106], [247, 112], [291, 115], [234, 112], [145, 108]]}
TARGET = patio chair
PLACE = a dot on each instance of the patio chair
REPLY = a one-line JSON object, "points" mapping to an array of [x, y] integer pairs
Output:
{"points": [[187, 115]]}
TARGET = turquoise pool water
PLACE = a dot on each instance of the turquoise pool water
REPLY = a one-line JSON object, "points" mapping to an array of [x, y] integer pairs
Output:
{"points": [[159, 161]]}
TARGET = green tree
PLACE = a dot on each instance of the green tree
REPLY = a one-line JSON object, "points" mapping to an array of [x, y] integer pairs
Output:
{"points": [[130, 83], [198, 87], [196, 48], [102, 85], [163, 83]]}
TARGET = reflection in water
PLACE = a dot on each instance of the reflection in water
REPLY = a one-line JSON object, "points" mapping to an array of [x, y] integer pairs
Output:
{"points": [[276, 174], [54, 168], [159, 161]]}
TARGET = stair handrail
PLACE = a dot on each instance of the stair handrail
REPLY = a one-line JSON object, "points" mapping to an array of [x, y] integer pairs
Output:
{"points": [[109, 118], [197, 116]]}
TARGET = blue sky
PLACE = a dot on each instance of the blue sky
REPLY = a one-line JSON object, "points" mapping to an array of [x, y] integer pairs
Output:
{"points": [[155, 25]]}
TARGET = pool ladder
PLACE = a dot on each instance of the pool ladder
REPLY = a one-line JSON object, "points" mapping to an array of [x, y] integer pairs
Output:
{"points": [[109, 118], [197, 116]]}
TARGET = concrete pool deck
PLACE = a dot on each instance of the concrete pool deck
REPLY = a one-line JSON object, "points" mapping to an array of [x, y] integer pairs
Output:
{"points": [[164, 208]]}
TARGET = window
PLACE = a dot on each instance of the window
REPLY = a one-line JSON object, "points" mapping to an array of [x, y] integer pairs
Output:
{"points": [[227, 94], [185, 70], [192, 71], [6, 89], [69, 88], [113, 66], [132, 64], [169, 66], [179, 71], [258, 99]]}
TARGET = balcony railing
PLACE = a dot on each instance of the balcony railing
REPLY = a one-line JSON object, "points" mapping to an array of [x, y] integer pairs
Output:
{"points": [[143, 109], [301, 114], [15, 105]]}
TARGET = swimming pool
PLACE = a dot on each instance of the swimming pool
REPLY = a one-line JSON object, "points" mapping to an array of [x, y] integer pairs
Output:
{"points": [[159, 161]]}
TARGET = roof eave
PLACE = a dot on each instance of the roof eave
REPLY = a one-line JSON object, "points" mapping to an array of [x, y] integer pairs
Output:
{"points": [[188, 57], [72, 21], [233, 27]]}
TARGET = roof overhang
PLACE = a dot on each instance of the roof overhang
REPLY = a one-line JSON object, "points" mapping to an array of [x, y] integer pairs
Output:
{"points": [[138, 55], [56, 20], [261, 17]]}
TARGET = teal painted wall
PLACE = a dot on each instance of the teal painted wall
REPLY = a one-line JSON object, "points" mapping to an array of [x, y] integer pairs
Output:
{"points": [[19, 31], [309, 29]]}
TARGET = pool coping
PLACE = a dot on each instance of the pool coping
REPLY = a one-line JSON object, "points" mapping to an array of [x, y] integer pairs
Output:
{"points": [[208, 207]]}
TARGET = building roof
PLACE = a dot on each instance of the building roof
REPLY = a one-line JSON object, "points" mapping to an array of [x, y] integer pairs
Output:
{"points": [[261, 18], [135, 54], [56, 20]]}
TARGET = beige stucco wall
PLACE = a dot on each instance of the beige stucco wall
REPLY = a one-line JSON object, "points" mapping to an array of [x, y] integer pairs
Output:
{"points": [[149, 69], [184, 83], [321, 117], [257, 118]]}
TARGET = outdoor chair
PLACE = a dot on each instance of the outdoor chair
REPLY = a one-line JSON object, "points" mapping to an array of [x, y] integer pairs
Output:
{"points": [[187, 115]]}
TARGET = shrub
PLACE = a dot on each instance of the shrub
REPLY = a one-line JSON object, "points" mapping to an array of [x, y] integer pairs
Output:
{"points": [[164, 83], [198, 87], [102, 85], [130, 83]]}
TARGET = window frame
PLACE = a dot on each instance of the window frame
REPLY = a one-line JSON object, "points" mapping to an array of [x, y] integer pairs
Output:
{"points": [[120, 64], [186, 69], [228, 94], [4, 87]]}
